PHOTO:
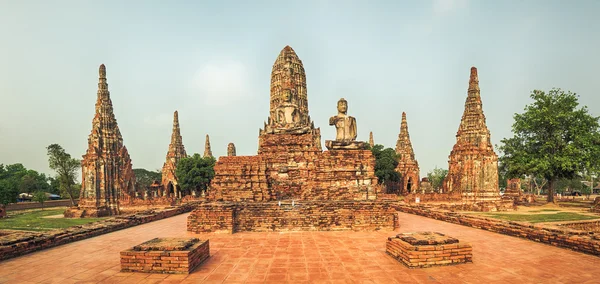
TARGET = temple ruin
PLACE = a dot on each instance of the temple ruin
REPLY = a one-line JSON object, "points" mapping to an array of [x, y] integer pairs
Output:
{"points": [[320, 190], [408, 167], [231, 150], [170, 186], [207, 150], [473, 164], [107, 175]]}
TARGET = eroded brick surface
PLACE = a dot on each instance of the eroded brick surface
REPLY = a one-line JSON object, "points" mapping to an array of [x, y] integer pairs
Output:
{"points": [[107, 175], [408, 166], [165, 255], [425, 249]]}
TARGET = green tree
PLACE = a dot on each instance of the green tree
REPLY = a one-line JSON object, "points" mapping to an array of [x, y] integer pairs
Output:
{"points": [[66, 169], [195, 172], [554, 138], [9, 187], [436, 177], [40, 196], [54, 185], [144, 177], [33, 181], [386, 161]]}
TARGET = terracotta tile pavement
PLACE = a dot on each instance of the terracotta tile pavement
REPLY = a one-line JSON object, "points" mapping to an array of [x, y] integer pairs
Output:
{"points": [[307, 257]]}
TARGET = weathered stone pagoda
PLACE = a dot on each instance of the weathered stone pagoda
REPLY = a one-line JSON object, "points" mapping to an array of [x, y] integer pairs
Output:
{"points": [[290, 163], [207, 150], [473, 164], [231, 150], [408, 166], [170, 186], [107, 175], [291, 184], [513, 189]]}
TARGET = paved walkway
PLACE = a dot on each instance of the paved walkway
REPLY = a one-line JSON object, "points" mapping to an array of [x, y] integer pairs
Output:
{"points": [[315, 257]]}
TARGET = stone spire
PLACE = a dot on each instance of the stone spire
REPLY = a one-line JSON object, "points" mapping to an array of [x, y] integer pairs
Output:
{"points": [[473, 129], [408, 166], [107, 173], [174, 154], [231, 149], [288, 112], [473, 164], [207, 151], [371, 141]]}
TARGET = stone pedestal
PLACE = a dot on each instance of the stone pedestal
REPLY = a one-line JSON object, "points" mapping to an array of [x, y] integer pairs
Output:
{"points": [[345, 145], [425, 249], [165, 255]]}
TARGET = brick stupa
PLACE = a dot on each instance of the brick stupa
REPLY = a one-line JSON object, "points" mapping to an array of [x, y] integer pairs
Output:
{"points": [[207, 150], [175, 153], [473, 164], [107, 174], [290, 163], [408, 167], [371, 141]]}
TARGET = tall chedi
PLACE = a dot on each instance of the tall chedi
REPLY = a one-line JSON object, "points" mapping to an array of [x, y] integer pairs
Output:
{"points": [[408, 167], [175, 153], [473, 164], [288, 111], [371, 141], [107, 175], [207, 150]]}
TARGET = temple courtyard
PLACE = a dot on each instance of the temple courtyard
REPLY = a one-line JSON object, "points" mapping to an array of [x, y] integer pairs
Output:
{"points": [[296, 257]]}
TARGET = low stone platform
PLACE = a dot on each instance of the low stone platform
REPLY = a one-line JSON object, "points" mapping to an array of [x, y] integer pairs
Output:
{"points": [[223, 217], [425, 249], [165, 255]]}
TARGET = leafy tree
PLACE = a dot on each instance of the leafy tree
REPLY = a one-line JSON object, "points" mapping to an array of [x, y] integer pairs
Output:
{"points": [[66, 169], [553, 139], [40, 196], [33, 181], [8, 186], [436, 177], [54, 185], [386, 161], [144, 177], [195, 172]]}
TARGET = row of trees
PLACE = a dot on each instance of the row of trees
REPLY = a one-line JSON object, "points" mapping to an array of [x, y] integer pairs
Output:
{"points": [[16, 179]]}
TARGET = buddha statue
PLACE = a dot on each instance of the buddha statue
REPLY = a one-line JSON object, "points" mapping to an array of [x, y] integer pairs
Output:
{"points": [[345, 125], [287, 113]]}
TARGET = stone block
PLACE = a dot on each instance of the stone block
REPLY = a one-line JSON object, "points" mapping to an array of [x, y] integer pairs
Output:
{"points": [[425, 249], [165, 255]]}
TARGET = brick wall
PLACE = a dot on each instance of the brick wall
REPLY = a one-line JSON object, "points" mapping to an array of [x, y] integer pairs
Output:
{"points": [[20, 243], [561, 237], [303, 216], [34, 205]]}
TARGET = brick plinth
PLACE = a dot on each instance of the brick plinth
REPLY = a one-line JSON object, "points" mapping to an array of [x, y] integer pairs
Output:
{"points": [[165, 255], [302, 216], [425, 249]]}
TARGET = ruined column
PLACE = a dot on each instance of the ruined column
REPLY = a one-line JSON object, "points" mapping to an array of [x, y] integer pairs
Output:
{"points": [[107, 174], [473, 164], [207, 150], [408, 166], [231, 149], [175, 153], [371, 141]]}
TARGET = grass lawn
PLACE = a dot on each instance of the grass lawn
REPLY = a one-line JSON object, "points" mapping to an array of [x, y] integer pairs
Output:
{"points": [[538, 218], [32, 220]]}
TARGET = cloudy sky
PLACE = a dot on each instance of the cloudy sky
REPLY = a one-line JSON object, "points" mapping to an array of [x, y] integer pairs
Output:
{"points": [[211, 61]]}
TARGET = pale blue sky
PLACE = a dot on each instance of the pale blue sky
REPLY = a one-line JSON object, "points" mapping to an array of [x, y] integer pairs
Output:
{"points": [[212, 60]]}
